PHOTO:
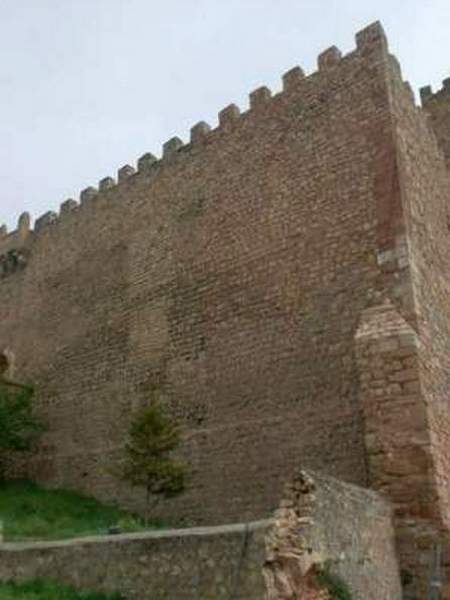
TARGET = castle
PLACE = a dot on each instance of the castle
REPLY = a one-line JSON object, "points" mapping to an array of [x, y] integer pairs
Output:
{"points": [[282, 281]]}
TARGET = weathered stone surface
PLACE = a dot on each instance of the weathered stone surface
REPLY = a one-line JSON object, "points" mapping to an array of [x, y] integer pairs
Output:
{"points": [[209, 563], [68, 206], [398, 439], [146, 161], [292, 78], [329, 58], [171, 147], [106, 183], [125, 172], [46, 219], [199, 131], [24, 221], [259, 97], [88, 195]]}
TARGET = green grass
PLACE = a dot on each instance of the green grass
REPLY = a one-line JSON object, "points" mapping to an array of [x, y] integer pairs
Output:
{"points": [[30, 512], [40, 589]]}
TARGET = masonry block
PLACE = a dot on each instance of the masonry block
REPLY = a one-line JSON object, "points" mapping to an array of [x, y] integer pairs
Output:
{"points": [[292, 78], [24, 222], [229, 114], [260, 97], [372, 37], [106, 183], [171, 147], [45, 220], [88, 195], [125, 172], [199, 131], [329, 58], [146, 161], [68, 206]]}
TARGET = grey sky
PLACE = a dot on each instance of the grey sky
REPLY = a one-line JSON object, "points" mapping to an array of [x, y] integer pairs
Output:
{"points": [[89, 85]]}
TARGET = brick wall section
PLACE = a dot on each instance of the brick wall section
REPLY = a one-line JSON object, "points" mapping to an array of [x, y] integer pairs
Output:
{"points": [[320, 520], [426, 194], [399, 446], [229, 276]]}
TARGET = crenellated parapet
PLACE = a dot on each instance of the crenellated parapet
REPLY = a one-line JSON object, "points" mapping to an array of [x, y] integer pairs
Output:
{"points": [[369, 40], [427, 94], [436, 105]]}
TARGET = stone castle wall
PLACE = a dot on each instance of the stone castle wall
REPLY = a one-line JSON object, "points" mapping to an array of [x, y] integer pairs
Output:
{"points": [[229, 278], [280, 282], [402, 348], [429, 227], [423, 159]]}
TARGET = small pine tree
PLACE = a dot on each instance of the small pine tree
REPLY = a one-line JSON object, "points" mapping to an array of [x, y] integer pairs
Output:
{"points": [[18, 425], [152, 437]]}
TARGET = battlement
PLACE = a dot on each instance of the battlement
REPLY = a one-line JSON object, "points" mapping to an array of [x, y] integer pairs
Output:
{"points": [[436, 107], [427, 94], [369, 40]]}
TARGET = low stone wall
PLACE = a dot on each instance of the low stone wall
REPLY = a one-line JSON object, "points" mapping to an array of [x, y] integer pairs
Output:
{"points": [[207, 563], [321, 522]]}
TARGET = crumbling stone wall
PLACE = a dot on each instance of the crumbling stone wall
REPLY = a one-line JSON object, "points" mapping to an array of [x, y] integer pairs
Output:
{"points": [[324, 524], [320, 522], [229, 277]]}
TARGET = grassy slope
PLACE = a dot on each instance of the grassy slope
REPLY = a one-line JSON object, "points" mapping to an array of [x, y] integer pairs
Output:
{"points": [[31, 512], [46, 590]]}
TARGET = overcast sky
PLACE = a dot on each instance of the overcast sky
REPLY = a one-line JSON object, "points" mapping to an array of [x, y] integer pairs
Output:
{"points": [[89, 85]]}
